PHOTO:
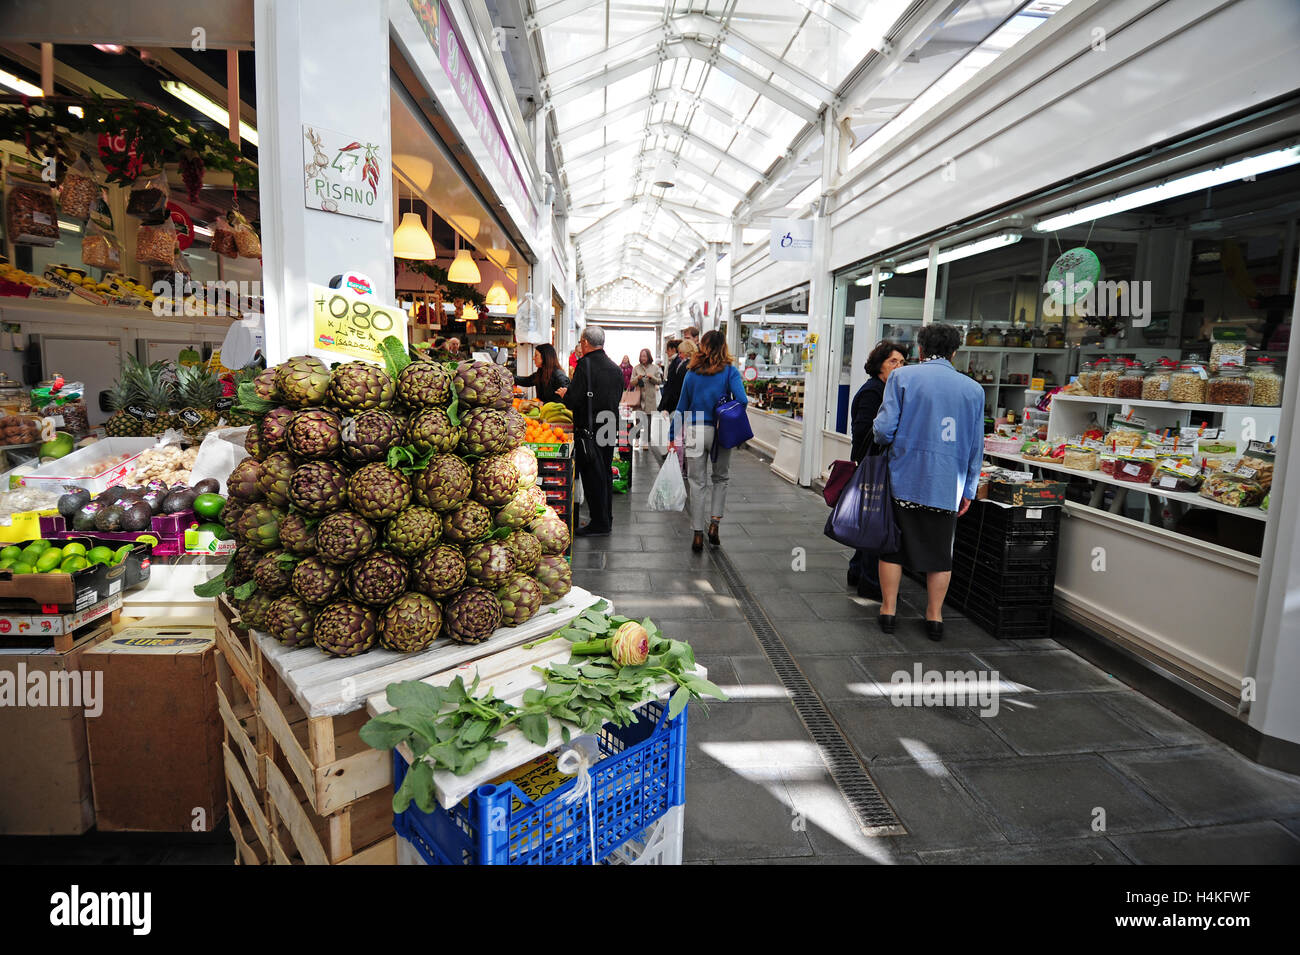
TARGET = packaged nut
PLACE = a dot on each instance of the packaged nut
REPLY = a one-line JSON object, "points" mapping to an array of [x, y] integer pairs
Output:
{"points": [[1227, 353], [1155, 385], [1107, 379], [223, 239], [30, 218], [1267, 376], [1189, 383], [156, 244], [100, 251], [1230, 386], [1233, 489], [1080, 458], [1131, 381], [79, 191]]}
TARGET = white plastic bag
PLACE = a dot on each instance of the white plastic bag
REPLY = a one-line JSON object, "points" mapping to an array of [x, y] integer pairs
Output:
{"points": [[220, 451], [669, 490]]}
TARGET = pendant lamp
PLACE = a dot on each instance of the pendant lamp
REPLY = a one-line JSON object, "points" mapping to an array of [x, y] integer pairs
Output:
{"points": [[411, 240], [497, 295], [463, 269], [513, 306], [469, 314]]}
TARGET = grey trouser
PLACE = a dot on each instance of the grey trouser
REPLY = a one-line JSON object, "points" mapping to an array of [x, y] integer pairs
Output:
{"points": [[700, 466]]}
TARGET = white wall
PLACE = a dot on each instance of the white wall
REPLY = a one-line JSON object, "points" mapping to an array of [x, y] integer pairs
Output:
{"points": [[756, 276]]}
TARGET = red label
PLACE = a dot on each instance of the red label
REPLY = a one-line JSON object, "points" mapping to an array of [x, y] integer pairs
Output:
{"points": [[5, 626], [184, 226], [144, 564], [49, 608], [117, 156]]}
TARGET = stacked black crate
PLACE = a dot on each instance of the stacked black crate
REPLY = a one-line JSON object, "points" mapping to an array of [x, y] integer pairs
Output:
{"points": [[1004, 568], [555, 476]]}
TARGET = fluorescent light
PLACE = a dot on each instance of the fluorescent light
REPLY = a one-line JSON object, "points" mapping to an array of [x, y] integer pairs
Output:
{"points": [[866, 279], [1233, 171], [77, 111], [960, 252], [20, 85], [70, 226], [212, 110], [203, 231]]}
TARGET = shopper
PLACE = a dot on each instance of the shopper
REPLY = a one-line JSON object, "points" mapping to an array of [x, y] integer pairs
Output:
{"points": [[626, 366], [673, 375], [691, 334], [593, 398], [932, 418], [453, 349], [884, 358], [710, 378], [548, 379], [573, 362], [646, 377]]}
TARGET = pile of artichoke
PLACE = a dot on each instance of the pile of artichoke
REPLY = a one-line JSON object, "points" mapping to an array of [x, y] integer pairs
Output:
{"points": [[389, 509]]}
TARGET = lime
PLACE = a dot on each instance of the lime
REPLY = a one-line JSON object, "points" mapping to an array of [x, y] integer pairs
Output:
{"points": [[30, 553], [74, 564], [11, 553], [48, 561], [74, 548], [6, 564], [41, 544], [216, 530], [119, 555], [99, 555], [209, 505], [22, 568]]}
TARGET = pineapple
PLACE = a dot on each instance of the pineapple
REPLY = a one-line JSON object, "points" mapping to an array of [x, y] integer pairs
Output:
{"points": [[156, 393], [123, 424], [197, 391]]}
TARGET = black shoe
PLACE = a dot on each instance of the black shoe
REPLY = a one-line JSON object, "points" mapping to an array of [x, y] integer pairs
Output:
{"points": [[697, 542], [869, 590], [888, 622], [934, 629], [586, 530]]}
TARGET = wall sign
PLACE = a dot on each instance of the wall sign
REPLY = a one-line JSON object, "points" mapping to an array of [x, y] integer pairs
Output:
{"points": [[351, 325], [791, 240], [343, 175]]}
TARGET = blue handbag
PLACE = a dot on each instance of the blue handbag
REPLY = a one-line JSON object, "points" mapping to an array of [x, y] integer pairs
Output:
{"points": [[864, 514], [730, 422]]}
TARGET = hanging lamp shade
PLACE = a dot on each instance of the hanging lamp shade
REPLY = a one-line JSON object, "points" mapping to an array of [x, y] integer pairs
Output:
{"points": [[411, 241], [464, 269], [497, 295], [469, 313], [512, 306]]}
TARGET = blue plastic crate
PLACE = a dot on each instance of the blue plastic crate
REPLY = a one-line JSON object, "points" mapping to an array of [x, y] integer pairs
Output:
{"points": [[640, 776]]}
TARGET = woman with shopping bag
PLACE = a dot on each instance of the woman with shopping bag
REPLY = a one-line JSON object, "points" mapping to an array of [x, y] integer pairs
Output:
{"points": [[711, 380], [646, 379]]}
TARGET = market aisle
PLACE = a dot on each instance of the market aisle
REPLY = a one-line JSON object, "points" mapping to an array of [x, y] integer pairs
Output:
{"points": [[1023, 785]]}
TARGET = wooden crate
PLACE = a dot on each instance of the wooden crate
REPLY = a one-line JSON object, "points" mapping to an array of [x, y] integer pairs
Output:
{"points": [[248, 823], [245, 732], [237, 645], [359, 834]]}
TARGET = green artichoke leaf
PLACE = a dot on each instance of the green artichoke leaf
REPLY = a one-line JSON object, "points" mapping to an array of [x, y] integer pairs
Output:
{"points": [[213, 587], [249, 401], [416, 786], [396, 357], [413, 693], [535, 728], [245, 590]]}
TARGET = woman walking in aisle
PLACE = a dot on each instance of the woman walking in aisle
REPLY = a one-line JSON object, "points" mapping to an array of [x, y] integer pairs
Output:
{"points": [[932, 418], [884, 358], [711, 377], [646, 377], [626, 366], [551, 383]]}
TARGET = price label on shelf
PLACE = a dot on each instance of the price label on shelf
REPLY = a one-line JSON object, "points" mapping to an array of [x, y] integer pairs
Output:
{"points": [[49, 426], [352, 326]]}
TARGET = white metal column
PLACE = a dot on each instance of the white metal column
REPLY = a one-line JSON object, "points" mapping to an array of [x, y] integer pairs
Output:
{"points": [[299, 47], [931, 283], [822, 283], [733, 320], [711, 286]]}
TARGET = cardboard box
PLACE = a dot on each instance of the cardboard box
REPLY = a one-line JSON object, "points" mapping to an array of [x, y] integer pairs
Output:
{"points": [[1031, 494], [66, 593], [155, 751], [44, 759], [22, 624]]}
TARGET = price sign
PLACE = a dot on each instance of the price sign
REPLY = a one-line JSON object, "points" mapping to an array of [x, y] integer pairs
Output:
{"points": [[351, 325], [750, 374]]}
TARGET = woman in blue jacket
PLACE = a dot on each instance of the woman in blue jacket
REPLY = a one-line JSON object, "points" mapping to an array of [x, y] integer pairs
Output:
{"points": [[932, 418], [711, 377]]}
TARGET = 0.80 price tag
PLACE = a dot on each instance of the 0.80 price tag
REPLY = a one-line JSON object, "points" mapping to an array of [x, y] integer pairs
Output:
{"points": [[351, 325]]}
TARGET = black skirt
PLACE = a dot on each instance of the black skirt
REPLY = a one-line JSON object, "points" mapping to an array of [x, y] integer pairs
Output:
{"points": [[926, 535]]}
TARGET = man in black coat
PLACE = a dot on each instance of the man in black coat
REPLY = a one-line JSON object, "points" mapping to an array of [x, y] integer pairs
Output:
{"points": [[593, 397]]}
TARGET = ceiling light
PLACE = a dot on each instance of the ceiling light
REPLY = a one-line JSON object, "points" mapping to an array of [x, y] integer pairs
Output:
{"points": [[469, 313], [212, 110], [866, 279], [70, 226], [664, 175], [411, 240], [21, 86], [77, 111], [203, 231], [463, 268], [497, 295], [1221, 175], [109, 48], [960, 252], [512, 306], [467, 224]]}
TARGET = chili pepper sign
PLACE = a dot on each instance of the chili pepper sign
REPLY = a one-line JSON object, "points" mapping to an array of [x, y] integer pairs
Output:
{"points": [[343, 174]]}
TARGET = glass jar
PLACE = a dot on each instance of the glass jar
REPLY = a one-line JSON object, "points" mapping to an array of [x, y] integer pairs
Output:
{"points": [[1055, 337], [13, 396], [975, 336], [993, 337], [1131, 381], [1089, 377], [1231, 386], [1107, 377], [1013, 338], [1189, 383], [1155, 384], [1267, 376], [1037, 338]]}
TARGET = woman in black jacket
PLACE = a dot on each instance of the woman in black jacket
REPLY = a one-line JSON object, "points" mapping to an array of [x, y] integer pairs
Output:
{"points": [[884, 358], [550, 382]]}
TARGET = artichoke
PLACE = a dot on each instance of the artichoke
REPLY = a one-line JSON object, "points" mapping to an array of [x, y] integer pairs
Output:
{"points": [[445, 483], [378, 492], [369, 435], [478, 384], [346, 629], [302, 381], [244, 481], [319, 487], [547, 513], [524, 547], [439, 573], [525, 462], [472, 615], [253, 443], [245, 561], [410, 533], [259, 526], [424, 384], [516, 428], [495, 481], [489, 563], [344, 536], [252, 612], [296, 535], [485, 432], [522, 508], [290, 621], [378, 579], [555, 577], [553, 535], [230, 514], [431, 429], [273, 428], [274, 479], [314, 434], [410, 623], [272, 574], [358, 386], [520, 598], [264, 386], [315, 581], [468, 523]]}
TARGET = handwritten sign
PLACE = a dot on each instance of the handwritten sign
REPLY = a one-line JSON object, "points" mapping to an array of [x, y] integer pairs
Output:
{"points": [[351, 325], [344, 175]]}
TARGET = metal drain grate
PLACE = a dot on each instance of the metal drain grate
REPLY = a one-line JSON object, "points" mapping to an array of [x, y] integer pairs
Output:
{"points": [[875, 816]]}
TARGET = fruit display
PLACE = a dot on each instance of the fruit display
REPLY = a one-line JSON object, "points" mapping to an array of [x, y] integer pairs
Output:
{"points": [[58, 557], [19, 429], [387, 507], [168, 465], [544, 421]]}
